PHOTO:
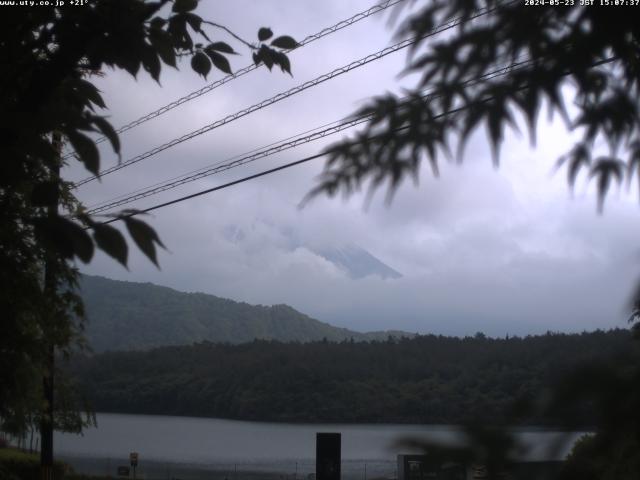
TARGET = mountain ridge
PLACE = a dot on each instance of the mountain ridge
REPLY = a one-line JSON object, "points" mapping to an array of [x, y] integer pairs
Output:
{"points": [[357, 262], [123, 315], [350, 258]]}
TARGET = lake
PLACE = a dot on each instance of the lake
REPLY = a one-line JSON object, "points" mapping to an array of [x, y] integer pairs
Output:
{"points": [[188, 447]]}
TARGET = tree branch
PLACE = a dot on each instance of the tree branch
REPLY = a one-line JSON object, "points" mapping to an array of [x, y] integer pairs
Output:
{"points": [[253, 47]]}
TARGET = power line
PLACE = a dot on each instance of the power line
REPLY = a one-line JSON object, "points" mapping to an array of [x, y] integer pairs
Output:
{"points": [[249, 68], [227, 166], [260, 174], [230, 163], [276, 147], [219, 187], [318, 155], [254, 176], [281, 96], [208, 167]]}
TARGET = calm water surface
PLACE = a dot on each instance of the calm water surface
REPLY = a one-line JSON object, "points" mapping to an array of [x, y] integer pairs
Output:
{"points": [[223, 444]]}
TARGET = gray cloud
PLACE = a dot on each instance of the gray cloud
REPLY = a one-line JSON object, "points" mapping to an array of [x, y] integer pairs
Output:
{"points": [[500, 251]]}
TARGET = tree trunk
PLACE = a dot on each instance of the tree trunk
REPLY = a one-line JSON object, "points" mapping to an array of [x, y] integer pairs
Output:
{"points": [[46, 425]]}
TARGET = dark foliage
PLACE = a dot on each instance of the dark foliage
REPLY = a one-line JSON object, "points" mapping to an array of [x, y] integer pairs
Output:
{"points": [[49, 56], [595, 50], [595, 457], [18, 465], [427, 379], [591, 53]]}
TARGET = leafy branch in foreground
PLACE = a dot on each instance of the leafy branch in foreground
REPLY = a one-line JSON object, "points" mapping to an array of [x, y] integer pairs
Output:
{"points": [[47, 97], [588, 53], [48, 89], [585, 50]]}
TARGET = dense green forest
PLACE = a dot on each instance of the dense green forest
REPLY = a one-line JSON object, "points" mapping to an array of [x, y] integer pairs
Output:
{"points": [[138, 316], [425, 379]]}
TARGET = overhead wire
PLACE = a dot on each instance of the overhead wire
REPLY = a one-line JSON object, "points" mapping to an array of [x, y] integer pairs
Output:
{"points": [[286, 94], [196, 171], [210, 190], [249, 68], [503, 71], [271, 149], [236, 160], [135, 212]]}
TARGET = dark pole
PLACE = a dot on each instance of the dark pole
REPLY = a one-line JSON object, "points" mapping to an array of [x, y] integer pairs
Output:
{"points": [[328, 456], [46, 423]]}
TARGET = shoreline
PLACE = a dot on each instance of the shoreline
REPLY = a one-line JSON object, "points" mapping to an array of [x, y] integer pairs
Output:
{"points": [[446, 426], [303, 469]]}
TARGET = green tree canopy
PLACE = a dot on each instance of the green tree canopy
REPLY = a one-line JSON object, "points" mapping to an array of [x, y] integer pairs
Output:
{"points": [[49, 58]]}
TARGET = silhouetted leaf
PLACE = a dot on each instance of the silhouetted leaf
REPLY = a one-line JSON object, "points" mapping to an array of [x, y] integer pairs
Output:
{"points": [[529, 103], [144, 236], [178, 30], [86, 150], [89, 90], [264, 34], [221, 47], [604, 169], [286, 42], [266, 55], [161, 41], [633, 164], [282, 60], [131, 62], [157, 23], [151, 62], [111, 241], [66, 237], [80, 239], [195, 21], [577, 158], [220, 62], [201, 64], [107, 130], [181, 6]]}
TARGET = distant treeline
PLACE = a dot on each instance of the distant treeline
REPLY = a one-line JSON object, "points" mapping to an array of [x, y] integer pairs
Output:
{"points": [[426, 379]]}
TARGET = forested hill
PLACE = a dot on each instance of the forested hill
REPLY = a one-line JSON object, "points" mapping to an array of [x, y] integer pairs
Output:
{"points": [[138, 316], [427, 379]]}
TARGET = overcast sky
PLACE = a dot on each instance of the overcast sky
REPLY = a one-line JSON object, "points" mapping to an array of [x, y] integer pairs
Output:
{"points": [[507, 251]]}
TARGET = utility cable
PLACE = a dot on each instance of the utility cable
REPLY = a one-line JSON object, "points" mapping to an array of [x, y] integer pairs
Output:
{"points": [[134, 213], [219, 187], [249, 68], [227, 166], [281, 96], [209, 167], [314, 157], [276, 147]]}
